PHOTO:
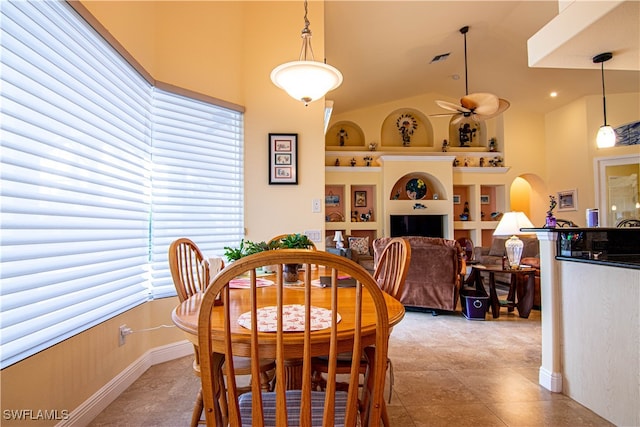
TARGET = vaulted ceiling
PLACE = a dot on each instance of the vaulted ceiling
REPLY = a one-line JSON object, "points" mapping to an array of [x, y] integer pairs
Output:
{"points": [[384, 50]]}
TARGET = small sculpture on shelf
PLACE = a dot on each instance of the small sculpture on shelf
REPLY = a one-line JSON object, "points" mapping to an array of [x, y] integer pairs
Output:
{"points": [[496, 216], [481, 162], [337, 162], [368, 160], [342, 136], [466, 162], [419, 206], [456, 162], [466, 134], [372, 146], [464, 216], [492, 145], [406, 124], [354, 216], [445, 146], [550, 221], [366, 217], [495, 162], [353, 161]]}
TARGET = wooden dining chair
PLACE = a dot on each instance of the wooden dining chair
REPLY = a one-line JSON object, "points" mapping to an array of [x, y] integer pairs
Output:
{"points": [[302, 407], [390, 273], [191, 274]]}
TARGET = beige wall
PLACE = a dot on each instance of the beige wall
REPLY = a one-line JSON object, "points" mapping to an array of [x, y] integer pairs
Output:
{"points": [[571, 133]]}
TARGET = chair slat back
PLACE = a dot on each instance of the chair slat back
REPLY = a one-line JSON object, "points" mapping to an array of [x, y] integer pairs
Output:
{"points": [[279, 344], [188, 269], [392, 267]]}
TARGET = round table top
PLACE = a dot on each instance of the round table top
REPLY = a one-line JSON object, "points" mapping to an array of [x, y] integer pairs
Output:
{"points": [[498, 269], [185, 315]]}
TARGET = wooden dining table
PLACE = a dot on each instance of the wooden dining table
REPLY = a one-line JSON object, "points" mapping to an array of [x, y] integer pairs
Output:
{"points": [[185, 317]]}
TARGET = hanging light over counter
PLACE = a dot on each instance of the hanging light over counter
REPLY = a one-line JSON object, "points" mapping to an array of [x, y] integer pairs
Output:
{"points": [[606, 135], [306, 80]]}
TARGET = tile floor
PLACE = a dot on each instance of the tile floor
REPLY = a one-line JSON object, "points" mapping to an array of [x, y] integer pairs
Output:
{"points": [[449, 371]]}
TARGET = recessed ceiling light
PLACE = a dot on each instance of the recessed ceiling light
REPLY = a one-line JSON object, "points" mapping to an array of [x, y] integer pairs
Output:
{"points": [[440, 57], [553, 94]]}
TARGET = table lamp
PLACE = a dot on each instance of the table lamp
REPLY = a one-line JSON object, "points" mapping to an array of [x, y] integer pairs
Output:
{"points": [[337, 237], [510, 225]]}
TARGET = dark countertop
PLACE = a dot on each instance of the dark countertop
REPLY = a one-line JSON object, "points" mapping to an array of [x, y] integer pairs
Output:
{"points": [[606, 261]]}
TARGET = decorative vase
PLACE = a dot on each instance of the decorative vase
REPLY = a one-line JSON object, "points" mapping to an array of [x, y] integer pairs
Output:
{"points": [[290, 272], [550, 222]]}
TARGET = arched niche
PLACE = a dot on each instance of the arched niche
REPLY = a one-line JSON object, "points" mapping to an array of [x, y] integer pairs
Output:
{"points": [[471, 129], [391, 135], [404, 188], [349, 132]]}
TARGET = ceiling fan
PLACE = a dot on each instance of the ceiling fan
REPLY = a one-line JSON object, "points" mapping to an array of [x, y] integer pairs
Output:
{"points": [[478, 106]]}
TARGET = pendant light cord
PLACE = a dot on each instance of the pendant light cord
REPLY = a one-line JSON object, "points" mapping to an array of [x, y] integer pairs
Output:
{"points": [[464, 31], [604, 100], [306, 37]]}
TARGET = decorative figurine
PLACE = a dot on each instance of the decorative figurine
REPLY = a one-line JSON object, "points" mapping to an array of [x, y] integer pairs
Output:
{"points": [[354, 216], [445, 146], [419, 206], [492, 145], [343, 136], [550, 221], [372, 146], [466, 134], [397, 195], [456, 162], [464, 216], [337, 162], [368, 160], [406, 124], [353, 161], [481, 162], [466, 162]]}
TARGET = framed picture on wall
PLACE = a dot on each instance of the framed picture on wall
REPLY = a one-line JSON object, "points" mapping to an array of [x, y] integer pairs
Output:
{"points": [[568, 200], [360, 199], [484, 199], [283, 158], [456, 199]]}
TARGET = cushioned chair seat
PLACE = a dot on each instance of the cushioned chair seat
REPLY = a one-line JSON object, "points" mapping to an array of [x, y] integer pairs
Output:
{"points": [[293, 408]]}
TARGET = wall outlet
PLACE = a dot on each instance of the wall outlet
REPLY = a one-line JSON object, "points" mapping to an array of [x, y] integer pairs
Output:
{"points": [[316, 207], [123, 331]]}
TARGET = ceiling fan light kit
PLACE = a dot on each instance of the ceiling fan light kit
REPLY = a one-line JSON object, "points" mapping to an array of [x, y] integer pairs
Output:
{"points": [[306, 80], [606, 135], [477, 106]]}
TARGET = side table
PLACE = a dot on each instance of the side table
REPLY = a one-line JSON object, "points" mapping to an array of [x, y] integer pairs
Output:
{"points": [[521, 292]]}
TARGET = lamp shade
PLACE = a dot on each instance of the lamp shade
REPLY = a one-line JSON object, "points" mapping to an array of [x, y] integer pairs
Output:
{"points": [[337, 237], [306, 81], [606, 137], [510, 225]]}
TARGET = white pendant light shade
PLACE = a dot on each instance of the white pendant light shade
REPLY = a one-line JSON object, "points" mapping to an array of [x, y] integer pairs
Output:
{"points": [[306, 81], [606, 137]]}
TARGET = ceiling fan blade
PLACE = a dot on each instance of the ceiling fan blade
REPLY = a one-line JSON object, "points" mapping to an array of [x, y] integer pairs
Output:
{"points": [[457, 119], [481, 103], [452, 107], [502, 107], [443, 114]]}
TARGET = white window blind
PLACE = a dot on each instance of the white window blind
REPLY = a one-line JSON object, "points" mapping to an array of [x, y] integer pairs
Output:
{"points": [[77, 164], [197, 179]]}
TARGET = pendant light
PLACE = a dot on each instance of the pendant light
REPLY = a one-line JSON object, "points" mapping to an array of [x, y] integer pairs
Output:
{"points": [[606, 135], [306, 80]]}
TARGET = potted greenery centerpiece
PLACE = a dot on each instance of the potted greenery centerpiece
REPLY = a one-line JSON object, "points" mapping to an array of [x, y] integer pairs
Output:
{"points": [[293, 241], [288, 241]]}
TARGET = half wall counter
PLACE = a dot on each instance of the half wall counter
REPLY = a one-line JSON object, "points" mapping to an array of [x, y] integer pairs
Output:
{"points": [[590, 292]]}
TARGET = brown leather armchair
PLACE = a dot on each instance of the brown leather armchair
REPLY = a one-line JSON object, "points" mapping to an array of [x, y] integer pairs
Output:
{"points": [[435, 272]]}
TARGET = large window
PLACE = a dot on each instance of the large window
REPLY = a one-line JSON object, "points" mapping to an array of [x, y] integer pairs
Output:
{"points": [[99, 172]]}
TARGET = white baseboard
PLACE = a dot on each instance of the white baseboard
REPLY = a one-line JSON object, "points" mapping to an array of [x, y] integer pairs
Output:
{"points": [[92, 407], [552, 381]]}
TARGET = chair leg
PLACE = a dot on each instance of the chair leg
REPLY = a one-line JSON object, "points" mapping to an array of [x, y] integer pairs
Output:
{"points": [[197, 410]]}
